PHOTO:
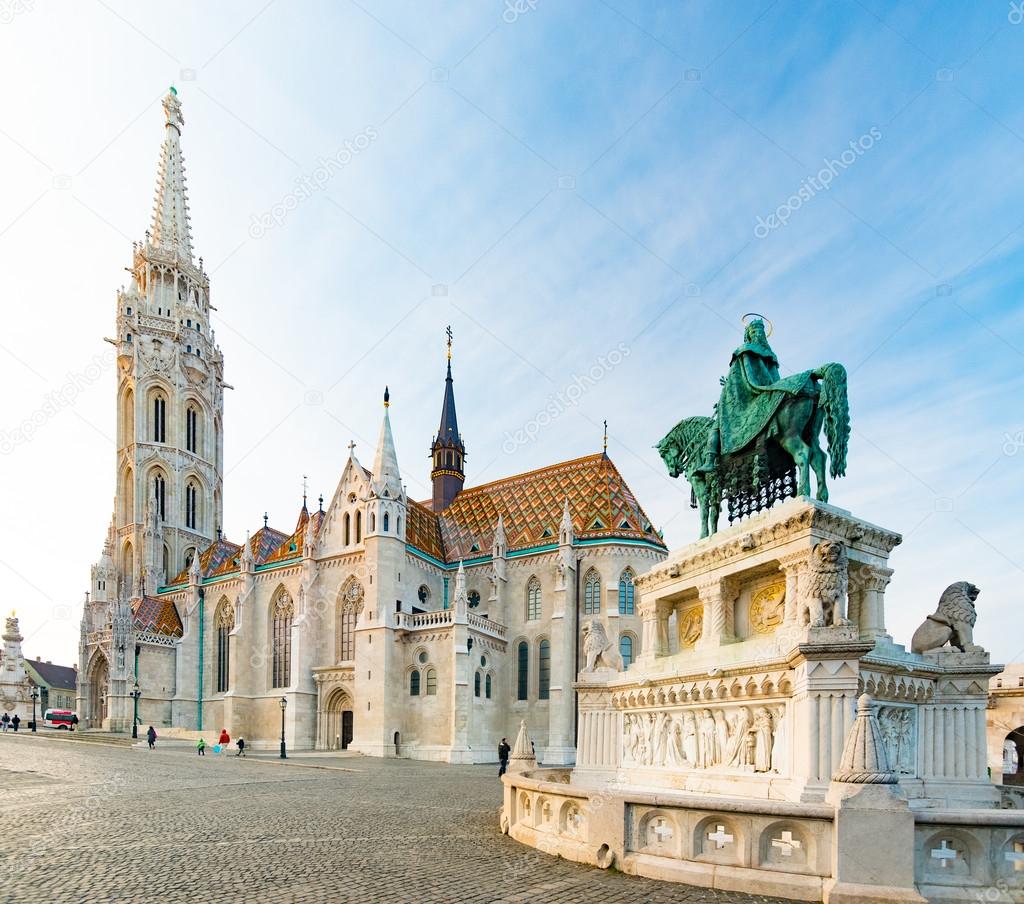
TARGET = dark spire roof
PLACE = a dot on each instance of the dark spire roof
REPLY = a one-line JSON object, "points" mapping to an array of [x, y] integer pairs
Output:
{"points": [[448, 431]]}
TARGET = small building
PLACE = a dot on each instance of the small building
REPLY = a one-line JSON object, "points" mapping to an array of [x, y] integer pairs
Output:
{"points": [[57, 683]]}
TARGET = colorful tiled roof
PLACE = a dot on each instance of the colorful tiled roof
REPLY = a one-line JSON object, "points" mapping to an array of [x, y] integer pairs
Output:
{"points": [[157, 616], [215, 559], [423, 530], [601, 505], [292, 546]]}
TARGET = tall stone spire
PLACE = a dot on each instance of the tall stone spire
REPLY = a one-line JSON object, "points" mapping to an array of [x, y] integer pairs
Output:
{"points": [[170, 230], [386, 475], [448, 451]]}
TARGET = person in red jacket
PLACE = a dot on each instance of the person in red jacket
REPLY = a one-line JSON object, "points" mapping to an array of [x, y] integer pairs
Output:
{"points": [[224, 740]]}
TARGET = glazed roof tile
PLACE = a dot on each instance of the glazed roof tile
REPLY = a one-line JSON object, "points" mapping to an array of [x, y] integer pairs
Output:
{"points": [[156, 615], [215, 559], [601, 505]]}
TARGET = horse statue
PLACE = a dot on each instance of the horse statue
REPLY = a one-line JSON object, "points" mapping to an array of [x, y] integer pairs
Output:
{"points": [[764, 428]]}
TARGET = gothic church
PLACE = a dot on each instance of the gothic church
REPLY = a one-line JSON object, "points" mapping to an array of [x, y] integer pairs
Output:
{"points": [[376, 623]]}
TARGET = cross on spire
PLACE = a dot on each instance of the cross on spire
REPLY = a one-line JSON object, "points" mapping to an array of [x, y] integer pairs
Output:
{"points": [[448, 333], [305, 478]]}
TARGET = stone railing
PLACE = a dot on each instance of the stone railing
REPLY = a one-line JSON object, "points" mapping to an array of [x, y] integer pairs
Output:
{"points": [[486, 626], [439, 619], [766, 847]]}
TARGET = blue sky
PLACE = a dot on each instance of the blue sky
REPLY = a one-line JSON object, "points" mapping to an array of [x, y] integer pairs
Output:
{"points": [[555, 181]]}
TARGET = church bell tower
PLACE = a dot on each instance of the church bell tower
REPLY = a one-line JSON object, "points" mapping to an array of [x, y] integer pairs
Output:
{"points": [[170, 392], [448, 451]]}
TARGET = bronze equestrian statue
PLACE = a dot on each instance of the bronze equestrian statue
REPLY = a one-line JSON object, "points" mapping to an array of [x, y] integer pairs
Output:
{"points": [[764, 427]]}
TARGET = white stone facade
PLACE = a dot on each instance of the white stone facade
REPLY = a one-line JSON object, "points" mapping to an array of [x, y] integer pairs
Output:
{"points": [[388, 627]]}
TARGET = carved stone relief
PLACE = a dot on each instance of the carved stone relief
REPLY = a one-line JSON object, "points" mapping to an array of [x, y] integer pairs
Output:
{"points": [[768, 608], [732, 738]]}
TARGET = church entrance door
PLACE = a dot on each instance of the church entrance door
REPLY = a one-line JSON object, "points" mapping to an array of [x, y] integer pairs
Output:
{"points": [[337, 721], [98, 684]]}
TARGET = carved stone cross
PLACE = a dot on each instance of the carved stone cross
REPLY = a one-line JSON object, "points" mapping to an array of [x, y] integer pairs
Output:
{"points": [[661, 830], [786, 844], [944, 854], [720, 838]]}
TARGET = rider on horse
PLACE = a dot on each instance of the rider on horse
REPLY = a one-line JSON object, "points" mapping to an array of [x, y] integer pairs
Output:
{"points": [[751, 394]]}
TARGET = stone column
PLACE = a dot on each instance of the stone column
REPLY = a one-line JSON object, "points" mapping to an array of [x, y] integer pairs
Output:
{"points": [[561, 746], [654, 615], [871, 618], [792, 567], [718, 598]]}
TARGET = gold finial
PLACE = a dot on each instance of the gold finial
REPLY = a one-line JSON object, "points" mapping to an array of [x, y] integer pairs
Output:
{"points": [[606, 437], [448, 333], [387, 398]]}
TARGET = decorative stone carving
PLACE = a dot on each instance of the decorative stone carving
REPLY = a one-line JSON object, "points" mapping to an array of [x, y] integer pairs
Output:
{"points": [[352, 594], [952, 622], [768, 608], [598, 649], [690, 623], [823, 600], [737, 738], [865, 760], [898, 734]]}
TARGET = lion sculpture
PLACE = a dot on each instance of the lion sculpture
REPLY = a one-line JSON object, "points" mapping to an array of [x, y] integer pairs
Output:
{"points": [[952, 622], [600, 651], [824, 595]]}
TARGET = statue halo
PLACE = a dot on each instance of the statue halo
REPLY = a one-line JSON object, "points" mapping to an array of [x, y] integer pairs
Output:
{"points": [[770, 326]]}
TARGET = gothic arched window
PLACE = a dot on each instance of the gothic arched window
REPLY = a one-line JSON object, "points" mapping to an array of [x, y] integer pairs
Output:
{"points": [[191, 504], [387, 519], [414, 683], [281, 639], [487, 687], [476, 684], [347, 635], [626, 650], [191, 428], [225, 621], [373, 522], [544, 670], [522, 670], [359, 527], [592, 593], [626, 599], [431, 683], [532, 601], [348, 524], [159, 423]]}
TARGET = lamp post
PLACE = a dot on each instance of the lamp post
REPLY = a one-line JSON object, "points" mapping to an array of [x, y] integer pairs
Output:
{"points": [[35, 696], [284, 706], [136, 693]]}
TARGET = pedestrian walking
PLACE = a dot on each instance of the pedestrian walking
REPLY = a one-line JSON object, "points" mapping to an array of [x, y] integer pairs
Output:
{"points": [[74, 722], [151, 737], [224, 740], [503, 751], [201, 747], [5, 721], [241, 747], [16, 721]]}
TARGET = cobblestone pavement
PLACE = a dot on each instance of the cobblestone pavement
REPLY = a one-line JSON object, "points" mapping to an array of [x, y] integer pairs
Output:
{"points": [[86, 822]]}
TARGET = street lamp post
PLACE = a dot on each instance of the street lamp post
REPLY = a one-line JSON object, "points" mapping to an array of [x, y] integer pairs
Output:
{"points": [[35, 696], [284, 706], [136, 693]]}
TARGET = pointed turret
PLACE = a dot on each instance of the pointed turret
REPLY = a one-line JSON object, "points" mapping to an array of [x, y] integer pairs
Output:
{"points": [[565, 529], [387, 479], [170, 230], [499, 546], [448, 451]]}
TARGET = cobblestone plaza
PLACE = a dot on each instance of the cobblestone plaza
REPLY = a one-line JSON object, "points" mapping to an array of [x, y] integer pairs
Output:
{"points": [[85, 821]]}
